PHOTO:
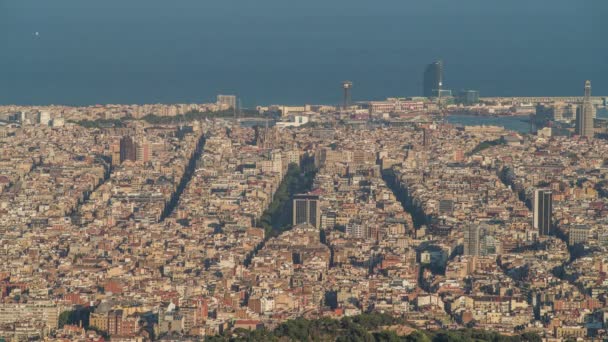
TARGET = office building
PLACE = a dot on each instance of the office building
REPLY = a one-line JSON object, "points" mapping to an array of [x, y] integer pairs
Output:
{"points": [[426, 137], [558, 111], [356, 230], [444, 93], [543, 211], [433, 79], [469, 97], [579, 234], [585, 114], [488, 244], [446, 207], [471, 240], [142, 151], [306, 210], [564, 112], [44, 118], [328, 220], [226, 101], [58, 122], [128, 149]]}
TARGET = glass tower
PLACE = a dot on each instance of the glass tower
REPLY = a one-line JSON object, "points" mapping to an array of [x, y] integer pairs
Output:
{"points": [[433, 79], [543, 211]]}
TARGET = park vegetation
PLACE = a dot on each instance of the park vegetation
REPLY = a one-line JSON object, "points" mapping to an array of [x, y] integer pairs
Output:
{"points": [[363, 328], [485, 145], [278, 217], [166, 119]]}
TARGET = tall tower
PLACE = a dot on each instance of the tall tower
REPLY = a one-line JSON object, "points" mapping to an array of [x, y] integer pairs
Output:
{"points": [[584, 115], [471, 240], [306, 209], [128, 149], [347, 86], [426, 137], [433, 79], [543, 211]]}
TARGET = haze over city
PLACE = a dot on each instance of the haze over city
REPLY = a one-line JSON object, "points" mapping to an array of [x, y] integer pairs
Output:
{"points": [[311, 171]]}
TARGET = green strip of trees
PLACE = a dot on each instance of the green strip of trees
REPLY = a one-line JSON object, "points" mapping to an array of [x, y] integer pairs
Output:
{"points": [[165, 119], [364, 328], [278, 217]]}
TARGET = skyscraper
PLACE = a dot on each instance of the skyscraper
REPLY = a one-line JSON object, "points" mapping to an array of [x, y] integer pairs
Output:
{"points": [[471, 240], [584, 115], [44, 118], [469, 97], [543, 211], [128, 149], [426, 137], [306, 210], [142, 151], [433, 79], [226, 101]]}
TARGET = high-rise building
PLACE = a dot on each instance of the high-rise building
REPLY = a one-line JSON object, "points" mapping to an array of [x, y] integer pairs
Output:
{"points": [[488, 244], [564, 112], [347, 86], [58, 122], [356, 230], [543, 211], [128, 149], [469, 97], [433, 79], [585, 114], [578, 234], [143, 151], [44, 118], [226, 101], [426, 137], [306, 209], [471, 240], [446, 207]]}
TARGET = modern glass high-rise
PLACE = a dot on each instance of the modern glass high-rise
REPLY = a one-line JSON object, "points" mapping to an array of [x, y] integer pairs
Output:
{"points": [[306, 209], [543, 211], [584, 115], [469, 97], [433, 79]]}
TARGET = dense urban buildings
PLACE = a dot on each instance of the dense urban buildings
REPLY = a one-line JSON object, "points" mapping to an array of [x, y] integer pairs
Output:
{"points": [[182, 222]]}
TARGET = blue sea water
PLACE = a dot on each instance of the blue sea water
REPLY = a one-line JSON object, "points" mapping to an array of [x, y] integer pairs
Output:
{"points": [[294, 52]]}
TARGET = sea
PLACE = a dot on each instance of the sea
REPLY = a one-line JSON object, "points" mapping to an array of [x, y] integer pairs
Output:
{"points": [[78, 52]]}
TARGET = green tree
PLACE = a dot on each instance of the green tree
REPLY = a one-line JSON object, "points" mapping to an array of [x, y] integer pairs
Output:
{"points": [[417, 336], [64, 318]]}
